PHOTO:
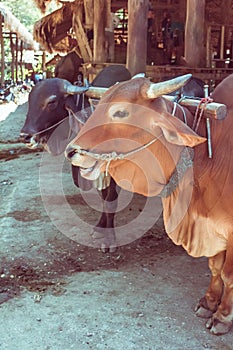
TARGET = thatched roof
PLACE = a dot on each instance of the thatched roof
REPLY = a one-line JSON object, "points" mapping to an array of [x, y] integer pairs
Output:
{"points": [[43, 4], [13, 25], [51, 30]]}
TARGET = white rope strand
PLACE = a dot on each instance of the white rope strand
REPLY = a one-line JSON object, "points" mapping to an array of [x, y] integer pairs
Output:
{"points": [[108, 157], [51, 127]]}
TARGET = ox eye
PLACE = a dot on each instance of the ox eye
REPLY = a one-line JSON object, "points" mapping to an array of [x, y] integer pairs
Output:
{"points": [[52, 102], [120, 114], [119, 110]]}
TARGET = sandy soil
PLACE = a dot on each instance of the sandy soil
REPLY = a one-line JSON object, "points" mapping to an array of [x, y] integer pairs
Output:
{"points": [[62, 293]]}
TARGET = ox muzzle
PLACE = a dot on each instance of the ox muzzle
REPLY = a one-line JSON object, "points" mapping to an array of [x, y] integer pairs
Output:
{"points": [[32, 141]]}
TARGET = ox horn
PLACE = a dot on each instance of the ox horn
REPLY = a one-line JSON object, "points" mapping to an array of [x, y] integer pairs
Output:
{"points": [[165, 87], [73, 89], [95, 92]]}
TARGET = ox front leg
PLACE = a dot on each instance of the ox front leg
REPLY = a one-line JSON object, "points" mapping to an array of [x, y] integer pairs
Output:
{"points": [[222, 320], [104, 230], [209, 303]]}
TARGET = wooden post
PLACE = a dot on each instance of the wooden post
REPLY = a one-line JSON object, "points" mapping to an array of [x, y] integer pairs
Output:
{"points": [[194, 33], [108, 13], [16, 58], [137, 36], [2, 52], [222, 42], [89, 13], [21, 60], [99, 31], [209, 52], [12, 58]]}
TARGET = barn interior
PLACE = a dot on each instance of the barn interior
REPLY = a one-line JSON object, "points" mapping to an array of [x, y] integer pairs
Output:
{"points": [[206, 53], [74, 25]]}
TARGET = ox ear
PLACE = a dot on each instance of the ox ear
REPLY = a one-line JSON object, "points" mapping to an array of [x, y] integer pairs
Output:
{"points": [[177, 132]]}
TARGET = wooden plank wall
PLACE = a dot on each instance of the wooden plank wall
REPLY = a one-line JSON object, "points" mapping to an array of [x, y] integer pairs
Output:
{"points": [[156, 73]]}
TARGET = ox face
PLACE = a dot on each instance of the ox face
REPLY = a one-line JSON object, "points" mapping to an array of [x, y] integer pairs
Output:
{"points": [[48, 103], [129, 117]]}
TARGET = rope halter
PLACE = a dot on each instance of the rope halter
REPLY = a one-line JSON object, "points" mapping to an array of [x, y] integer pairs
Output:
{"points": [[108, 157]]}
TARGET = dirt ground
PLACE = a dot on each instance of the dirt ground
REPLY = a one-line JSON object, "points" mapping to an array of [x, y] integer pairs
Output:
{"points": [[59, 291]]}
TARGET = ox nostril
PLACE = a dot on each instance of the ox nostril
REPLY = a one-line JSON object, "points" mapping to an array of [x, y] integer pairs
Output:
{"points": [[70, 152]]}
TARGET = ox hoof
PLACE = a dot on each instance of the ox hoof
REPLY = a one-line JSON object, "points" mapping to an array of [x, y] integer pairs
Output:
{"points": [[202, 309], [106, 239], [218, 327], [108, 249]]}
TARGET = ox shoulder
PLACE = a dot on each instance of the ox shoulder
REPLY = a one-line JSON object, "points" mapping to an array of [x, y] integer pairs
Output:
{"points": [[212, 110]]}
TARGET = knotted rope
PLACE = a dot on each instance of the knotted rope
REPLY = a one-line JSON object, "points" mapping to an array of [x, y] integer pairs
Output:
{"points": [[200, 111], [109, 157]]}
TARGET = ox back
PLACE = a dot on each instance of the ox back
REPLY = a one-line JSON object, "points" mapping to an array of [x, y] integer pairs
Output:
{"points": [[193, 88]]}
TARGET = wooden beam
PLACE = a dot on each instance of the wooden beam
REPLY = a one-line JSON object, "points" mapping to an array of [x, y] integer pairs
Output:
{"points": [[81, 37], [82, 40], [137, 36], [211, 110]]}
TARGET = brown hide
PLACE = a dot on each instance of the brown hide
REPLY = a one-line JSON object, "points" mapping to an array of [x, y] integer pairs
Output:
{"points": [[223, 92], [69, 67]]}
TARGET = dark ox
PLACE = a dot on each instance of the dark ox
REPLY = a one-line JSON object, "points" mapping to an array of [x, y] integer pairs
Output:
{"points": [[68, 67], [47, 124], [195, 87], [166, 155]]}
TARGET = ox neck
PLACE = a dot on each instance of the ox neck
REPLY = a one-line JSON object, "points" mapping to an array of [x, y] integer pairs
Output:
{"points": [[185, 162]]}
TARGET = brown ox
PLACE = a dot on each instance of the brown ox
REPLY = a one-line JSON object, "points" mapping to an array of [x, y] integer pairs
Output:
{"points": [[140, 138]]}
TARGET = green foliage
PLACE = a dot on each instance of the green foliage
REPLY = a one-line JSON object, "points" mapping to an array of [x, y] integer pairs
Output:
{"points": [[25, 10]]}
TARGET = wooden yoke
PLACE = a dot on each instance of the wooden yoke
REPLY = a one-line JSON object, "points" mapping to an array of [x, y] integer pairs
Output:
{"points": [[212, 110]]}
